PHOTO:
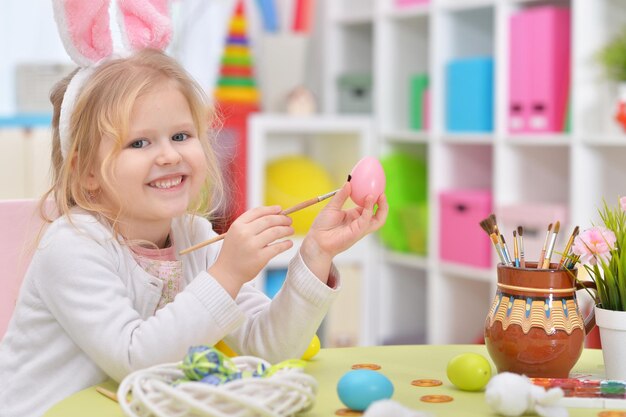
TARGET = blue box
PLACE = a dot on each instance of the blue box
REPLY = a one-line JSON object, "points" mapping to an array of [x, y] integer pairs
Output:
{"points": [[469, 95], [274, 279]]}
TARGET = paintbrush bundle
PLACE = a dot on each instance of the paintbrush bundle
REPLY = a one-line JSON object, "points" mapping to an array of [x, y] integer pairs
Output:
{"points": [[518, 260]]}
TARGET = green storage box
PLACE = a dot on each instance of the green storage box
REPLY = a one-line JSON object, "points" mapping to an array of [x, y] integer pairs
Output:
{"points": [[418, 85], [406, 229], [355, 93]]}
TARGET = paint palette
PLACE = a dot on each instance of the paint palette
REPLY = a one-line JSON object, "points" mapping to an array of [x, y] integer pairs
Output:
{"points": [[587, 393]]}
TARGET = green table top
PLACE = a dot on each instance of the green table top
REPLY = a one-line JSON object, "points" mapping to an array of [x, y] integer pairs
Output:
{"points": [[401, 364]]}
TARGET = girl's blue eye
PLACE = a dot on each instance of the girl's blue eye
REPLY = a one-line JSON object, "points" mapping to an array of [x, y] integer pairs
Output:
{"points": [[179, 137], [139, 143]]}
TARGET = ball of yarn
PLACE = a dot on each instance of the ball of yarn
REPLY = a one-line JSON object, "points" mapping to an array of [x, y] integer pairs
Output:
{"points": [[207, 364]]}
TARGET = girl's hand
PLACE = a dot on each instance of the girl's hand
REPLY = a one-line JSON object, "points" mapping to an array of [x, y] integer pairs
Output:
{"points": [[335, 230], [249, 245]]}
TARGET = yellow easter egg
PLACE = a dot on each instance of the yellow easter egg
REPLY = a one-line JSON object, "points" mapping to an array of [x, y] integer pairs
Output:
{"points": [[225, 349], [313, 349]]}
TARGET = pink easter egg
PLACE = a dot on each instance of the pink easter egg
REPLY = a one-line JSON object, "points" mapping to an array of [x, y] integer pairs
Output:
{"points": [[367, 178]]}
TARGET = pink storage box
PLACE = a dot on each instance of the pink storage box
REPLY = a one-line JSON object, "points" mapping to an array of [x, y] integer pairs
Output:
{"points": [[534, 218], [409, 3], [539, 73], [461, 239]]}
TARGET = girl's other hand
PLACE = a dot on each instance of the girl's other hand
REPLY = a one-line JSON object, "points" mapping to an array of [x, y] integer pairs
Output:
{"points": [[250, 243], [334, 230]]}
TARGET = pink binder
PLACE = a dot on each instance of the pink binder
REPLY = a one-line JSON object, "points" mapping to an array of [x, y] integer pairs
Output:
{"points": [[549, 42], [519, 74], [539, 69]]}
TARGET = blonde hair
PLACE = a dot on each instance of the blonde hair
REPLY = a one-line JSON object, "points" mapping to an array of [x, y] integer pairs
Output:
{"points": [[103, 108]]}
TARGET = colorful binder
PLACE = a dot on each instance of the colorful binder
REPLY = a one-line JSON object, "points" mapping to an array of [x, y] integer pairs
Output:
{"points": [[539, 73]]}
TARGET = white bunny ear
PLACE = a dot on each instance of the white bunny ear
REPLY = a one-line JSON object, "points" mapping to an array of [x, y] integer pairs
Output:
{"points": [[145, 23], [84, 29]]}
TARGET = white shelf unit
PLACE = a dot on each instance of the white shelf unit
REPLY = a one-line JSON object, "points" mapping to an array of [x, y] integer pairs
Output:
{"points": [[422, 297], [336, 143]]}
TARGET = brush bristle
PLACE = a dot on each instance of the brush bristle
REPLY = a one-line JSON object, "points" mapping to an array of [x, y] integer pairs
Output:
{"points": [[520, 230], [487, 225], [557, 227]]}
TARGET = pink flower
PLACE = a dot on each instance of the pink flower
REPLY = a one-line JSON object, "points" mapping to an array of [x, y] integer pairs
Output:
{"points": [[593, 244], [622, 202]]}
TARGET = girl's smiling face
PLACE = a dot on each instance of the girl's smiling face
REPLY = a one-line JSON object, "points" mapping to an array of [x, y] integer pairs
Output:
{"points": [[160, 168]]}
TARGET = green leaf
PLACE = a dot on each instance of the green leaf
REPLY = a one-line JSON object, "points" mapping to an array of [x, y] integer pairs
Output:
{"points": [[613, 57]]}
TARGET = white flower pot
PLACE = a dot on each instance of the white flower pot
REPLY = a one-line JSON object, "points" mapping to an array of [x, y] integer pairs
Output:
{"points": [[612, 326]]}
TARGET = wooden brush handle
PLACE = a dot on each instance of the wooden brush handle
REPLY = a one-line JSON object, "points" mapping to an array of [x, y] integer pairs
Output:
{"points": [[110, 395], [286, 212], [308, 203], [202, 244]]}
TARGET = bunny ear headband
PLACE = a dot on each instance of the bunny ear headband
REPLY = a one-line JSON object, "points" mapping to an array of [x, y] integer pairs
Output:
{"points": [[85, 31]]}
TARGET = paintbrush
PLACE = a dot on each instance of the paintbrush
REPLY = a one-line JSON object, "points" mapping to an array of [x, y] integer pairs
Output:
{"points": [[550, 250], [543, 249], [487, 227], [572, 261], [515, 249], [522, 260], [568, 247], [286, 212], [110, 395], [505, 249], [498, 232]]}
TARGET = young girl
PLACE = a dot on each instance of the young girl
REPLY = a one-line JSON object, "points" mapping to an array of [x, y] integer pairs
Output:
{"points": [[106, 292]]}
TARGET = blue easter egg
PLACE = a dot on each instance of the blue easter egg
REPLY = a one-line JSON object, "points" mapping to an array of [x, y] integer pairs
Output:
{"points": [[358, 389]]}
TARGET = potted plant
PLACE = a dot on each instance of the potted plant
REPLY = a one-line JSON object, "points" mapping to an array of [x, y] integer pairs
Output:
{"points": [[602, 251], [613, 58]]}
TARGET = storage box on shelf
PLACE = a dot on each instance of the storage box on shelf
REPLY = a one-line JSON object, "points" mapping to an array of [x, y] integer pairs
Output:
{"points": [[535, 219], [460, 241], [335, 144], [570, 166], [33, 82], [469, 100], [355, 93], [25, 160]]}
